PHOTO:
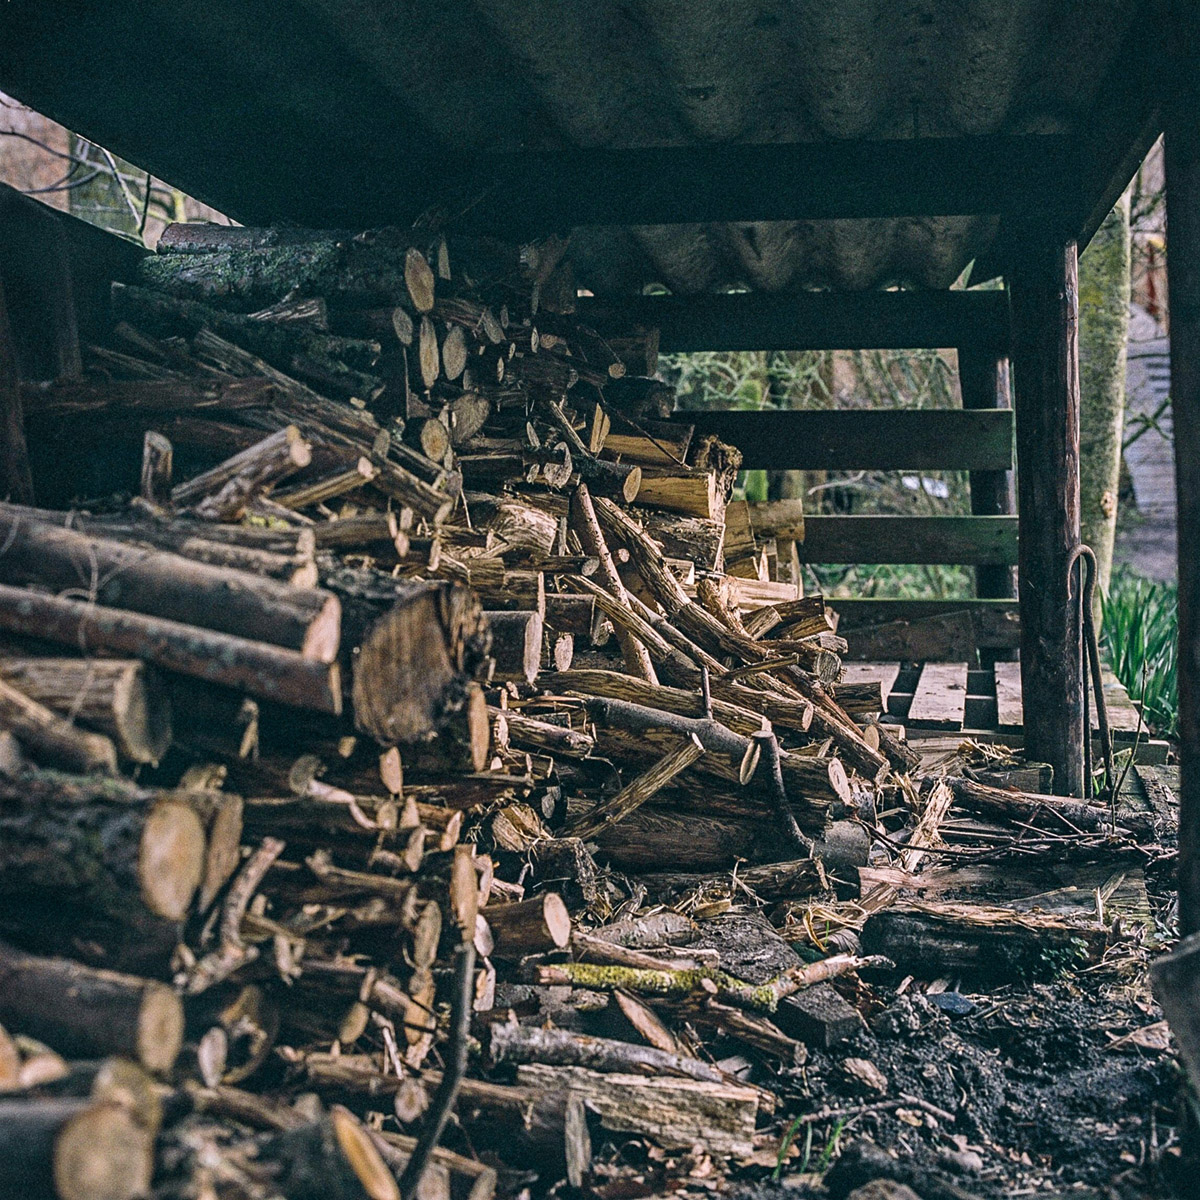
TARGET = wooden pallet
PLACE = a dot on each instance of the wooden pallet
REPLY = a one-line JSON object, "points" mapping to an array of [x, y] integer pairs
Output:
{"points": [[936, 698]]}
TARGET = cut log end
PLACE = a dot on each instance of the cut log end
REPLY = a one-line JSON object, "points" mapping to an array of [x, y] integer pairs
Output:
{"points": [[323, 636], [171, 859], [363, 1157], [160, 1028], [102, 1154]]}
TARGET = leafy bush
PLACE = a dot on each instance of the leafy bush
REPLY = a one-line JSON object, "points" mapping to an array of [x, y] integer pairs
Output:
{"points": [[1140, 633]]}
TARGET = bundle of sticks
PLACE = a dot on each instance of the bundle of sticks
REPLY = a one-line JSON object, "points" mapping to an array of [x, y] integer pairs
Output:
{"points": [[423, 644]]}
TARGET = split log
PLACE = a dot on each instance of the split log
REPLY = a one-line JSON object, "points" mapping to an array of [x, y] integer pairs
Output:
{"points": [[50, 737], [419, 645], [529, 926], [516, 644], [675, 1113], [587, 528], [120, 697], [84, 1012], [688, 537], [73, 1150], [259, 669], [513, 1043], [630, 798], [157, 469], [170, 586]]}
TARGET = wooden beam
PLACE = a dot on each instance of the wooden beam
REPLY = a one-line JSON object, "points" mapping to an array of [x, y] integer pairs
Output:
{"points": [[996, 623], [1045, 304], [1183, 281], [864, 439], [983, 381], [16, 482], [812, 320], [904, 177], [958, 540]]}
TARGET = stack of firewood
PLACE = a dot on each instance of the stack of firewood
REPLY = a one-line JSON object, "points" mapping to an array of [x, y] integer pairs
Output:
{"points": [[423, 622]]}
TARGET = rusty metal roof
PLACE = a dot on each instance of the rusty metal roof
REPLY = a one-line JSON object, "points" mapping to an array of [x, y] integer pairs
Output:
{"points": [[369, 111]]}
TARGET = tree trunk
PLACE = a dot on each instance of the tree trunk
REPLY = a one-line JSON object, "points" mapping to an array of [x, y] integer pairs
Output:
{"points": [[1103, 333]]}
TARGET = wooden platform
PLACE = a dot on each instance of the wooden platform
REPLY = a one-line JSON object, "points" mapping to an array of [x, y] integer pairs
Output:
{"points": [[935, 699]]}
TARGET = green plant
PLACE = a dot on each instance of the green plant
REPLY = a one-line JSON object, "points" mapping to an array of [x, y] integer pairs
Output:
{"points": [[1140, 632], [832, 1146]]}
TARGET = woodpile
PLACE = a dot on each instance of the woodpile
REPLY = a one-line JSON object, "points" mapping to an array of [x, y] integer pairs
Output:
{"points": [[414, 683]]}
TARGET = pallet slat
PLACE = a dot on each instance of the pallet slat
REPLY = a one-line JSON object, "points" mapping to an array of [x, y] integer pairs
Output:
{"points": [[966, 541], [865, 439], [941, 697]]}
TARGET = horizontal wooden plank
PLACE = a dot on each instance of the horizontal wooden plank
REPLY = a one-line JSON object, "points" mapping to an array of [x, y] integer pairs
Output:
{"points": [[908, 320], [941, 176], [923, 630], [940, 699], [865, 439], [970, 541], [1010, 712]]}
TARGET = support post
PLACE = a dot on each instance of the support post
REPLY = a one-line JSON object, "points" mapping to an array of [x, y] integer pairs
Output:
{"points": [[16, 483], [1045, 307], [983, 381], [1182, 151]]}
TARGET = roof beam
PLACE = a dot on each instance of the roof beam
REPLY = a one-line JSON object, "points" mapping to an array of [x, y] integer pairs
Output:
{"points": [[813, 320], [812, 181]]}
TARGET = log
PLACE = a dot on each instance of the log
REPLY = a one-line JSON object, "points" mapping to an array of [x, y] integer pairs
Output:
{"points": [[532, 734], [88, 859], [516, 644], [772, 882], [570, 612], [529, 926], [170, 586], [84, 1012], [419, 644], [73, 1150], [333, 1158], [985, 945], [675, 1113], [509, 1042], [587, 528], [688, 537], [1028, 808], [50, 737], [121, 697], [157, 469], [630, 798], [259, 669], [223, 493], [681, 490]]}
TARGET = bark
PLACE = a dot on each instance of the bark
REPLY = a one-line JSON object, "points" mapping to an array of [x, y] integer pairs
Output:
{"points": [[1103, 333], [529, 926], [120, 697], [87, 1013], [50, 737]]}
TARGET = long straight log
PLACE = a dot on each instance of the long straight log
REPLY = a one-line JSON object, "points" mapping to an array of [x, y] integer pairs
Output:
{"points": [[120, 697], [83, 1012], [73, 1150], [1027, 807], [259, 669], [591, 537], [170, 586]]}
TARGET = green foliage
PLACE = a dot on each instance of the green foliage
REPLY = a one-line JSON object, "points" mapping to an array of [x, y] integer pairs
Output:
{"points": [[1140, 632], [865, 379]]}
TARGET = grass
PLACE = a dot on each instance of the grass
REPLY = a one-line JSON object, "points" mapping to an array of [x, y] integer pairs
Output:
{"points": [[1140, 631]]}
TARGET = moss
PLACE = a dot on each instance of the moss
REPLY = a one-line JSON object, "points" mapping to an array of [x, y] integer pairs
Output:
{"points": [[1103, 330]]}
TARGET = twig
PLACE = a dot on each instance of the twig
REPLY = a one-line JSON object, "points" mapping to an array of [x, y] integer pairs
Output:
{"points": [[456, 1068]]}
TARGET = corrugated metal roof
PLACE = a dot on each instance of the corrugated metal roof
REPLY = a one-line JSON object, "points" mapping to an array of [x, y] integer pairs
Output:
{"points": [[292, 109]]}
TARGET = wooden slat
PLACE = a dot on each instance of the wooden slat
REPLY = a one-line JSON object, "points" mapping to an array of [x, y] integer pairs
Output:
{"points": [[812, 320], [1010, 713], [869, 672], [941, 696], [968, 541], [996, 624], [1123, 715], [866, 439]]}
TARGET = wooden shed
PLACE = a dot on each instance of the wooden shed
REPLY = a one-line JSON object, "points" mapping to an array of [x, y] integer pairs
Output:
{"points": [[811, 175]]}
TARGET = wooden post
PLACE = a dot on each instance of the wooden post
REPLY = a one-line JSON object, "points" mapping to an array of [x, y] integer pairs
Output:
{"points": [[1045, 307], [16, 483], [983, 380], [1183, 289]]}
